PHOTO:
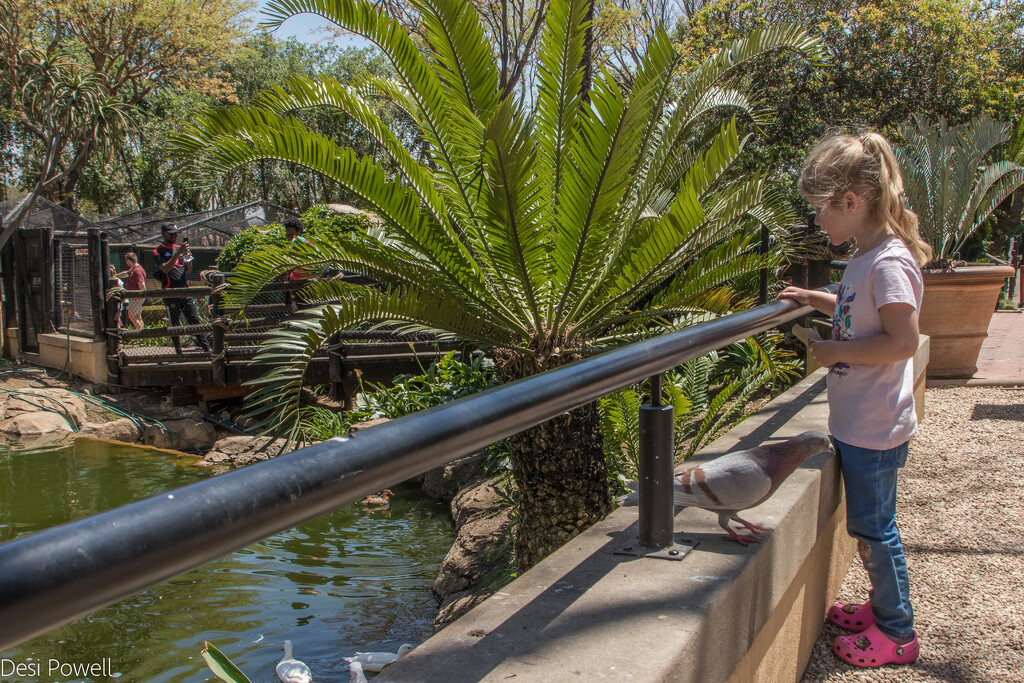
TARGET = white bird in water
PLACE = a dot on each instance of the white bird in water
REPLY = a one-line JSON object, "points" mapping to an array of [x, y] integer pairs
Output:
{"points": [[742, 479], [291, 670], [376, 661], [355, 673]]}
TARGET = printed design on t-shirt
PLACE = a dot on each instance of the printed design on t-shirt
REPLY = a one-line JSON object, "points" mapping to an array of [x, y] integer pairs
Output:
{"points": [[842, 321]]}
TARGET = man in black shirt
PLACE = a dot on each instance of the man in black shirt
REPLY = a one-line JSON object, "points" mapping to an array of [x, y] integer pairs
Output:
{"points": [[173, 261]]}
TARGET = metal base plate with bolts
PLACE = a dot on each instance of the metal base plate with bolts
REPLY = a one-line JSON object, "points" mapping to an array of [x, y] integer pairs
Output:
{"points": [[676, 551]]}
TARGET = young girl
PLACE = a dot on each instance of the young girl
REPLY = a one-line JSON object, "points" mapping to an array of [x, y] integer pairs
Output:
{"points": [[855, 187]]}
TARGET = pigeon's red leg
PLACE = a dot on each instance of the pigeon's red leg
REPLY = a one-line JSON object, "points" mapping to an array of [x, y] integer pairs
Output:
{"points": [[742, 540], [754, 528]]}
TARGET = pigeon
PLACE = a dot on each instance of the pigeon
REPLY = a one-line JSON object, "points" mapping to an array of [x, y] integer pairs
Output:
{"points": [[376, 661], [742, 479], [292, 670]]}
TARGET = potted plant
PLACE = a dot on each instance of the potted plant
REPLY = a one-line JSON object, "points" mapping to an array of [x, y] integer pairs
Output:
{"points": [[953, 184]]}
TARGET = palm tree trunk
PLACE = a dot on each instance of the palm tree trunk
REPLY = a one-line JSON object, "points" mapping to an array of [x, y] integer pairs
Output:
{"points": [[560, 471]]}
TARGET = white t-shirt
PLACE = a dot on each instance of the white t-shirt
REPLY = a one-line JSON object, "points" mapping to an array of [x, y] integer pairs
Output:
{"points": [[872, 406]]}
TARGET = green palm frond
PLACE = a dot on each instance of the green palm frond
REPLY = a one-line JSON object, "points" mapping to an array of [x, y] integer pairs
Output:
{"points": [[226, 139], [948, 180], [590, 201], [511, 210], [726, 404], [307, 93], [560, 77], [372, 86], [577, 219], [441, 119], [460, 48]]}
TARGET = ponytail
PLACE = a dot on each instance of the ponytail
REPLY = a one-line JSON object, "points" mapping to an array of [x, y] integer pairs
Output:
{"points": [[892, 207], [865, 165]]}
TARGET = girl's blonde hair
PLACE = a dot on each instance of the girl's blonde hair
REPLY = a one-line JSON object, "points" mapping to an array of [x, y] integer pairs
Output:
{"points": [[866, 166]]}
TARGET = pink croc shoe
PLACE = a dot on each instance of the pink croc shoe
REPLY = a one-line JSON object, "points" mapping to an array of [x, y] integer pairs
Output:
{"points": [[851, 616], [872, 648]]}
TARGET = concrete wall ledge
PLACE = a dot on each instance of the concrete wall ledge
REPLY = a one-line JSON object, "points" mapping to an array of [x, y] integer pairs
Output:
{"points": [[723, 613], [88, 358]]}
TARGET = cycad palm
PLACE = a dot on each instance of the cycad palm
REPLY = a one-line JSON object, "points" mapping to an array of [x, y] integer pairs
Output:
{"points": [[948, 182], [539, 235]]}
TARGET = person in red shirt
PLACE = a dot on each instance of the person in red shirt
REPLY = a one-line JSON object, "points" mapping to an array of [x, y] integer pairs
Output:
{"points": [[293, 229], [136, 276]]}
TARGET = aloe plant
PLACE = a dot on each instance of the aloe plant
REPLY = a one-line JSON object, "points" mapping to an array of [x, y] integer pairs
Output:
{"points": [[540, 231], [953, 180]]}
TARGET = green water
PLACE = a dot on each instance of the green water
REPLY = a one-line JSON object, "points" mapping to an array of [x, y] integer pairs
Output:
{"points": [[352, 580]]}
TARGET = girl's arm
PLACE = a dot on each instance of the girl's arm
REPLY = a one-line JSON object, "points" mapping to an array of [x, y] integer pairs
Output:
{"points": [[898, 341], [823, 301]]}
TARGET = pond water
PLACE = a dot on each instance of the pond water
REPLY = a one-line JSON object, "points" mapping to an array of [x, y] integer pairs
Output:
{"points": [[351, 580]]}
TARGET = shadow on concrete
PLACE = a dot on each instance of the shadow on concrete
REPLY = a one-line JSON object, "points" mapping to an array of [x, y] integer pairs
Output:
{"points": [[534, 625], [776, 415]]}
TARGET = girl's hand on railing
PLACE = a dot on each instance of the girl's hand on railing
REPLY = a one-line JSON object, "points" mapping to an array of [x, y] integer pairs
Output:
{"points": [[816, 298], [797, 294]]}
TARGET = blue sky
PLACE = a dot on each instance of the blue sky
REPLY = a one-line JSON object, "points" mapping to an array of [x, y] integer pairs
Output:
{"points": [[305, 28]]}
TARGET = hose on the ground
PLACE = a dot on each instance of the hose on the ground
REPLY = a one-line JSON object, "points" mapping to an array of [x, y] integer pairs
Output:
{"points": [[136, 418]]}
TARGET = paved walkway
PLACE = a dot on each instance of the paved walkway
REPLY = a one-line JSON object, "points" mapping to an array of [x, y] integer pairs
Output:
{"points": [[1001, 361]]}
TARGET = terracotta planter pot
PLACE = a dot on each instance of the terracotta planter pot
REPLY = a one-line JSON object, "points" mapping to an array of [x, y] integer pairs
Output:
{"points": [[956, 310]]}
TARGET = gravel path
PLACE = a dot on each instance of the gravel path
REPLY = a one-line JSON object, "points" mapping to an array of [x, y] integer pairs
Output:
{"points": [[961, 515]]}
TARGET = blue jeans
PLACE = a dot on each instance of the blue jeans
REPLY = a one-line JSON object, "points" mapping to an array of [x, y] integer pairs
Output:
{"points": [[869, 477]]}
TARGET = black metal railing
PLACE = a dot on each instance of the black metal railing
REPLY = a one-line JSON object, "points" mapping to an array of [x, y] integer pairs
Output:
{"points": [[54, 576]]}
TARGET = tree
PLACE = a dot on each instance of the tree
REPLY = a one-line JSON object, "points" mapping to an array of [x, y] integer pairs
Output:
{"points": [[67, 108], [120, 51], [543, 233], [139, 174], [620, 31], [887, 59]]}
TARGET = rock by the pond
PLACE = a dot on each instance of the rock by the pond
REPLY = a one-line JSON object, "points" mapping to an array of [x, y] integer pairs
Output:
{"points": [[121, 429], [235, 451], [444, 482], [34, 424], [480, 521], [182, 435], [42, 401]]}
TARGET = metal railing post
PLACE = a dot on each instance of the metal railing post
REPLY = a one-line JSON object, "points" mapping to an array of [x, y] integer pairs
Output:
{"points": [[657, 436], [97, 280], [217, 337], [336, 369], [762, 289]]}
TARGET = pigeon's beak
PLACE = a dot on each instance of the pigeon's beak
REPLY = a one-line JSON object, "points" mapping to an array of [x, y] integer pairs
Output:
{"points": [[826, 446]]}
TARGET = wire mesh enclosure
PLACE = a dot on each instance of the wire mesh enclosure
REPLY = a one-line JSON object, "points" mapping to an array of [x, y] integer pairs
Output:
{"points": [[205, 229], [74, 303]]}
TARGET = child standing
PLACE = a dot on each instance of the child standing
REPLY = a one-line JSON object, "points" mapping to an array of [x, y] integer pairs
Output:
{"points": [[855, 187]]}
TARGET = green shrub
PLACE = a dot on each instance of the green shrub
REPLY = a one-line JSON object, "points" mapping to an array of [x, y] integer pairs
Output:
{"points": [[447, 379], [320, 221]]}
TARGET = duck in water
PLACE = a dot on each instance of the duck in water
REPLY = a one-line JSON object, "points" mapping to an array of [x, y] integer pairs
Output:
{"points": [[380, 500]]}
